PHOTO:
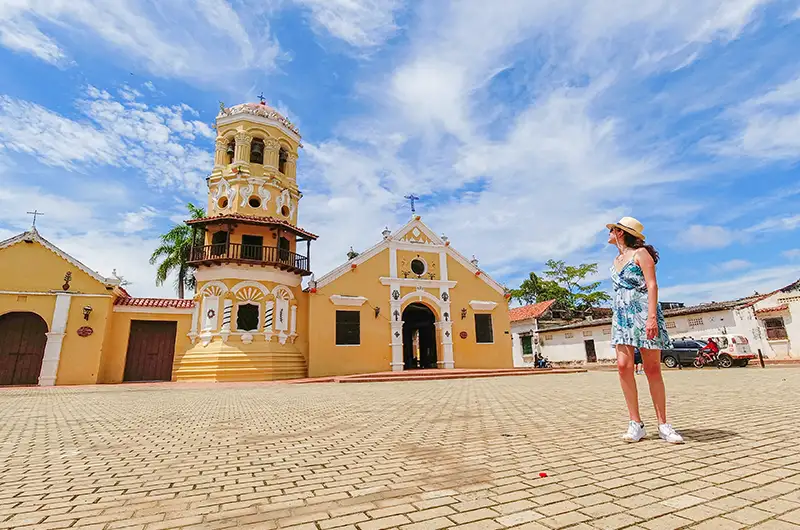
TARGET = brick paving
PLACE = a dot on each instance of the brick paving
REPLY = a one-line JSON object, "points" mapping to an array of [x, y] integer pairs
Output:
{"points": [[414, 455]]}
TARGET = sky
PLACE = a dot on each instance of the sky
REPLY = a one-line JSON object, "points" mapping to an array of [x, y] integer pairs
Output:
{"points": [[524, 127]]}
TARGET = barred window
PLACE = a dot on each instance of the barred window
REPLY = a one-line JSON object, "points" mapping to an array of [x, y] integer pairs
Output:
{"points": [[671, 325], [695, 322], [587, 333], [568, 335], [483, 329]]}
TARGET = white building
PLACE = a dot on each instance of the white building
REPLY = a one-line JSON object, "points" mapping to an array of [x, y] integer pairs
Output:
{"points": [[766, 321], [524, 332]]}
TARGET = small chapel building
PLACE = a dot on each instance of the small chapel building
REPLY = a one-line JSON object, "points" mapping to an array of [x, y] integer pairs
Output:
{"points": [[409, 302]]}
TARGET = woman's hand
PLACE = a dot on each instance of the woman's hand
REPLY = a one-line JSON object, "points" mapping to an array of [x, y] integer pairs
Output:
{"points": [[651, 328]]}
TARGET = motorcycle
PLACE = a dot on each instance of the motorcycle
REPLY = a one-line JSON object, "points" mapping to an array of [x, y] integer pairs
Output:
{"points": [[543, 362]]}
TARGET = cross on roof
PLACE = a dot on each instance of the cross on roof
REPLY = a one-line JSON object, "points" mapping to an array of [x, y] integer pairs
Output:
{"points": [[412, 198], [261, 97], [35, 213]]}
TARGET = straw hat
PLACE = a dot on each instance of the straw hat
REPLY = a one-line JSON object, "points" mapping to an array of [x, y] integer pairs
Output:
{"points": [[629, 225]]}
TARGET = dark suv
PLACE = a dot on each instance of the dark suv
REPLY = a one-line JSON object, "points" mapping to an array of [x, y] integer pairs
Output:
{"points": [[682, 351]]}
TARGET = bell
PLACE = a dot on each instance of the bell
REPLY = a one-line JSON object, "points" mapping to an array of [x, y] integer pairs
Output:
{"points": [[258, 149], [230, 150]]}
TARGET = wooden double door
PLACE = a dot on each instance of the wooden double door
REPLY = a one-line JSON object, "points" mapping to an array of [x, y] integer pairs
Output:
{"points": [[151, 350], [23, 337]]}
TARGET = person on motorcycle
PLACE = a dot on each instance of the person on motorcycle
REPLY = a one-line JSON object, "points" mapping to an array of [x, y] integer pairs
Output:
{"points": [[710, 350]]}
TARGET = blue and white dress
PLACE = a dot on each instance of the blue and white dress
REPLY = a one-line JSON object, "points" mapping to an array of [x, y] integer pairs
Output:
{"points": [[629, 305]]}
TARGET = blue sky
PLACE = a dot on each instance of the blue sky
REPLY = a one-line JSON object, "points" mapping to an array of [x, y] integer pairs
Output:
{"points": [[525, 129]]}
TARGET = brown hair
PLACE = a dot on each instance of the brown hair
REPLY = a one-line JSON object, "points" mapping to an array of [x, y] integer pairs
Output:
{"points": [[632, 241]]}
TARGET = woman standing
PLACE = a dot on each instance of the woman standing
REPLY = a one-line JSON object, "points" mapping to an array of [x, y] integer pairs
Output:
{"points": [[638, 323]]}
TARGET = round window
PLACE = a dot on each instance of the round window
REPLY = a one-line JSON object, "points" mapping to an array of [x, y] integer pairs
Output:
{"points": [[222, 202], [254, 202], [285, 211], [418, 267]]}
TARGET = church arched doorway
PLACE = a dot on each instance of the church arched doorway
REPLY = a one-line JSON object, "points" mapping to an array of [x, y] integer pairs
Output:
{"points": [[419, 337], [23, 337]]}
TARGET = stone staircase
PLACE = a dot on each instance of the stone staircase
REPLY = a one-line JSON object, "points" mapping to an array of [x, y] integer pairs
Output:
{"points": [[221, 362]]}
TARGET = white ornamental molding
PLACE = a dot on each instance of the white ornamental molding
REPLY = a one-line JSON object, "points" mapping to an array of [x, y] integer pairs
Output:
{"points": [[481, 305], [347, 301]]}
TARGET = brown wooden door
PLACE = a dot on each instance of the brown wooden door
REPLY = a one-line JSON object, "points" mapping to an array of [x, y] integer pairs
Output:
{"points": [[22, 341], [151, 348], [591, 353]]}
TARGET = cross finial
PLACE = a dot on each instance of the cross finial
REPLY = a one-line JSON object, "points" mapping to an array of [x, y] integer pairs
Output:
{"points": [[412, 198], [35, 213], [261, 97]]}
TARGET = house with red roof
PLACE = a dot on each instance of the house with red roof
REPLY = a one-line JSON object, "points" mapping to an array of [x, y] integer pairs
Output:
{"points": [[525, 331]]}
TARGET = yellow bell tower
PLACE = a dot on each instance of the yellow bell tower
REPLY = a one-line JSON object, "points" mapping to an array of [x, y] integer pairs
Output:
{"points": [[250, 255]]}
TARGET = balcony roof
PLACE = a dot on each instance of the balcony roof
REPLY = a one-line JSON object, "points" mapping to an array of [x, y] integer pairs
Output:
{"points": [[253, 220]]}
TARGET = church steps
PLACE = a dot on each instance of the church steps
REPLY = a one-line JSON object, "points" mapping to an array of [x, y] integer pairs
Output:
{"points": [[235, 365]]}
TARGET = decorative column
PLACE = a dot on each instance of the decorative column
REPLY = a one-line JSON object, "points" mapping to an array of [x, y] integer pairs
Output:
{"points": [[220, 152], [269, 319], [445, 327], [271, 148], [195, 318], [293, 323], [291, 165], [242, 152], [227, 311], [397, 333], [55, 338]]}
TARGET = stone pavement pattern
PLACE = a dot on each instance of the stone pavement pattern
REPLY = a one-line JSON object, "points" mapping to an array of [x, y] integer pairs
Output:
{"points": [[415, 455]]}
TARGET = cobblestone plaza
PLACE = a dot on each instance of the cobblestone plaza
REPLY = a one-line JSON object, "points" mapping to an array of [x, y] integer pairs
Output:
{"points": [[537, 453]]}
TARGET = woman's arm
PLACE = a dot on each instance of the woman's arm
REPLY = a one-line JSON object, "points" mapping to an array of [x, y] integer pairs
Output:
{"points": [[645, 261]]}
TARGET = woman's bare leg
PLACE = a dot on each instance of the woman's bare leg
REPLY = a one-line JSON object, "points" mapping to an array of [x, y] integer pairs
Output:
{"points": [[628, 380], [652, 367]]}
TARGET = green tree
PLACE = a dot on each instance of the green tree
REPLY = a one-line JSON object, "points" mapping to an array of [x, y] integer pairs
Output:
{"points": [[172, 255], [564, 284]]}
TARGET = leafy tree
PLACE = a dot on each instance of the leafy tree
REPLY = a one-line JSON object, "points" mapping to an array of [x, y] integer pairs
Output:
{"points": [[564, 284], [173, 254]]}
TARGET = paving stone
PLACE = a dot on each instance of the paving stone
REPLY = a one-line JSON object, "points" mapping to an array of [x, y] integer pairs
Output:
{"points": [[387, 455]]}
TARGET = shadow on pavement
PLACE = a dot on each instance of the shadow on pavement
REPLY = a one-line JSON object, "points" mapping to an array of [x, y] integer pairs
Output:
{"points": [[707, 435]]}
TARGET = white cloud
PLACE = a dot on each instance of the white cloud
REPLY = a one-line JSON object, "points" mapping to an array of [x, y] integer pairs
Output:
{"points": [[704, 237], [160, 141], [139, 220], [205, 40], [792, 254], [766, 125], [22, 36], [361, 23], [761, 280], [733, 265], [777, 224]]}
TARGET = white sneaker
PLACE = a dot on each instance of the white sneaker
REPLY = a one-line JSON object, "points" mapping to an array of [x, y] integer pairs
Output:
{"points": [[635, 432], [668, 434]]}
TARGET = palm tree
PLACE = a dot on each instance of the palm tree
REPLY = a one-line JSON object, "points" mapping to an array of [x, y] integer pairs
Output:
{"points": [[174, 254]]}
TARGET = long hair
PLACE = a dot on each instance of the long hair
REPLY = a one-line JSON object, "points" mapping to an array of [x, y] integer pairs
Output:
{"points": [[632, 241]]}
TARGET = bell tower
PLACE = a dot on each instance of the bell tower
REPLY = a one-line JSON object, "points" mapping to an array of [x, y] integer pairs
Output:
{"points": [[250, 255]]}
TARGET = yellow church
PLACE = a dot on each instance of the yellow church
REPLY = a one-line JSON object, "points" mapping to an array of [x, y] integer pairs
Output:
{"points": [[409, 302]]}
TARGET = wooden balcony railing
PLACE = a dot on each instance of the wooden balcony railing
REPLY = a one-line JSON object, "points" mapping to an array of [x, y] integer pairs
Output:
{"points": [[278, 257]]}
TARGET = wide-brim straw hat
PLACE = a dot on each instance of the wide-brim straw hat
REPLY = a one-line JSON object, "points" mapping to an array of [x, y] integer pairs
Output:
{"points": [[629, 225]]}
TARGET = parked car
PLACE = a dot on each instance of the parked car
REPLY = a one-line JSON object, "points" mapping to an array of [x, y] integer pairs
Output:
{"points": [[683, 352]]}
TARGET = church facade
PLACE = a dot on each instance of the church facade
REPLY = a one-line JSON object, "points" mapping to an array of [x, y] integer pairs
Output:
{"points": [[409, 302]]}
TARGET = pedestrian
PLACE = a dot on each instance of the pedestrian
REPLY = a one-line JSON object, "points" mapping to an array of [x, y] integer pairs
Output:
{"points": [[637, 362], [638, 323]]}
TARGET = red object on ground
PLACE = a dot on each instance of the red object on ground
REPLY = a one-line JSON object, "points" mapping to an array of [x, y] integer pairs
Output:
{"points": [[542, 475]]}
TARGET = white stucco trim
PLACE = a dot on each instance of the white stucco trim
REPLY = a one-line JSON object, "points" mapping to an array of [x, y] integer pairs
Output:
{"points": [[155, 310], [55, 339], [348, 301], [235, 272], [419, 282], [420, 295], [482, 305]]}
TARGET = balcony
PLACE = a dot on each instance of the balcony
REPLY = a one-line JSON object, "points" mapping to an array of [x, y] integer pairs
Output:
{"points": [[777, 334], [251, 254]]}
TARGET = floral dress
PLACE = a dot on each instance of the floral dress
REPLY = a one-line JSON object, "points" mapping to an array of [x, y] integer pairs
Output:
{"points": [[629, 307]]}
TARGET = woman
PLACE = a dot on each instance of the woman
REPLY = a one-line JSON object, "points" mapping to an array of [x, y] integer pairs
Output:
{"points": [[638, 323]]}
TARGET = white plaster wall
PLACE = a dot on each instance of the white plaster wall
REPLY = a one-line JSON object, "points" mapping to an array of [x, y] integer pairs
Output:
{"points": [[516, 342], [568, 345]]}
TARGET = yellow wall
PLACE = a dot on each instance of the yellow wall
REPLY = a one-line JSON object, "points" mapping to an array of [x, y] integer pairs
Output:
{"points": [[404, 258], [42, 305], [466, 352], [116, 344], [80, 356], [375, 353], [32, 267]]}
